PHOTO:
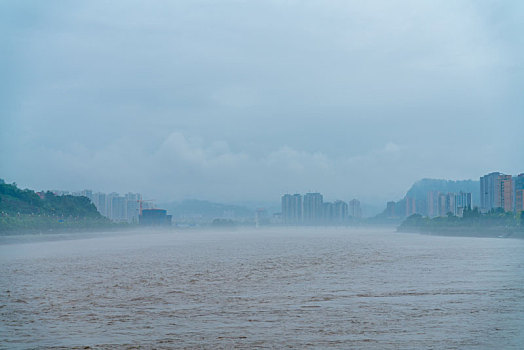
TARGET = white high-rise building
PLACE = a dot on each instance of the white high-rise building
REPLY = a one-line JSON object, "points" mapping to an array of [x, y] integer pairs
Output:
{"points": [[354, 208], [312, 208], [132, 207], [291, 209]]}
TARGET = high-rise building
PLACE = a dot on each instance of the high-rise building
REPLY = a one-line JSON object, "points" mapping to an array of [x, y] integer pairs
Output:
{"points": [[113, 206], [518, 185], [286, 208], [60, 193], [354, 208], [109, 204], [519, 182], [99, 200], [504, 192], [432, 203], [496, 191], [328, 212], [118, 209], [450, 204], [292, 209], [411, 206], [463, 201], [340, 211], [261, 217], [519, 200], [132, 207], [442, 204], [488, 183], [312, 208]]}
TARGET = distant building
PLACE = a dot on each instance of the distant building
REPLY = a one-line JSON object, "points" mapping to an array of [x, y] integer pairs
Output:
{"points": [[450, 204], [261, 217], [441, 204], [504, 192], [118, 209], [496, 191], [60, 193], [488, 183], [109, 204], [433, 204], [411, 206], [463, 201], [132, 207], [442, 201], [113, 206], [327, 212], [519, 200], [519, 192], [155, 217], [340, 211], [99, 200], [312, 208], [487, 191], [354, 208], [292, 209], [519, 182], [276, 219]]}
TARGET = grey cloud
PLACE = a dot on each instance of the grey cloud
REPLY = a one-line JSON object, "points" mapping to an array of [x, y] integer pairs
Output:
{"points": [[231, 99]]}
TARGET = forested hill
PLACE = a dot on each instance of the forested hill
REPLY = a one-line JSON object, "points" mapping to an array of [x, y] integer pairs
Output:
{"points": [[26, 209]]}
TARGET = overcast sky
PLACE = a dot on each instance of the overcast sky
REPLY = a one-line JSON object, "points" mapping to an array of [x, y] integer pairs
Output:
{"points": [[246, 100]]}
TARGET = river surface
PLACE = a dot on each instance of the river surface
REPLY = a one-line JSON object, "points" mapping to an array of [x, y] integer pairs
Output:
{"points": [[266, 288]]}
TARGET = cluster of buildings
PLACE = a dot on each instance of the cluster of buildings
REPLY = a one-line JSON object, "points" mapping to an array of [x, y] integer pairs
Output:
{"points": [[117, 208], [435, 204], [310, 209], [499, 190]]}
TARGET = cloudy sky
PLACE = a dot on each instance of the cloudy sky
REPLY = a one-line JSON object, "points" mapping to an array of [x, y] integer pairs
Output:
{"points": [[245, 100]]}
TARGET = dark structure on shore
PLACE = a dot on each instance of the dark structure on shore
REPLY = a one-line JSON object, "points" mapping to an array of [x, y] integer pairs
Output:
{"points": [[155, 217]]}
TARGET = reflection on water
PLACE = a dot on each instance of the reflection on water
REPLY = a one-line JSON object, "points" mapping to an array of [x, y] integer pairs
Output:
{"points": [[263, 288]]}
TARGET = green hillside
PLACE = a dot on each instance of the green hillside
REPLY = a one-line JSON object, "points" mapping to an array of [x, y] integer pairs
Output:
{"points": [[26, 210]]}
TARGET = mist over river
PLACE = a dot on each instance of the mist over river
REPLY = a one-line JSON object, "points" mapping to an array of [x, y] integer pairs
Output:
{"points": [[265, 288]]}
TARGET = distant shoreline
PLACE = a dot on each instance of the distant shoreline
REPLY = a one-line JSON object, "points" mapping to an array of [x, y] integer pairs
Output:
{"points": [[489, 232], [59, 230]]}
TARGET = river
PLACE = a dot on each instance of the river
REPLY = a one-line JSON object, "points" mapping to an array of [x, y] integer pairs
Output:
{"points": [[265, 288]]}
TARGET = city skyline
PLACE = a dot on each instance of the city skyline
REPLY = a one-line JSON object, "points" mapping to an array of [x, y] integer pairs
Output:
{"points": [[497, 190], [311, 209]]}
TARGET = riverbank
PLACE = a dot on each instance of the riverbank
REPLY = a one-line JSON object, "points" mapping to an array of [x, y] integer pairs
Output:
{"points": [[33, 224], [496, 224], [464, 231]]}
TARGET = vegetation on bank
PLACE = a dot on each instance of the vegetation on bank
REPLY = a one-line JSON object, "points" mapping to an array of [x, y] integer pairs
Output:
{"points": [[494, 223], [26, 210]]}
